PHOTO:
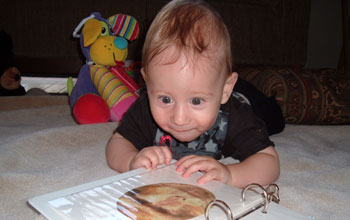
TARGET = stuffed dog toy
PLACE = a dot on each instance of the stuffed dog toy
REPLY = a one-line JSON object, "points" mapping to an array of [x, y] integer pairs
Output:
{"points": [[105, 88]]}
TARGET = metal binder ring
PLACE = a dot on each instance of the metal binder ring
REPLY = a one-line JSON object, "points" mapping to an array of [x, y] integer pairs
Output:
{"points": [[273, 192], [264, 193], [218, 202]]}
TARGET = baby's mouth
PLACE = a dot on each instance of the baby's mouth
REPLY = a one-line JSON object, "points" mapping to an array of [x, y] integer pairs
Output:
{"points": [[181, 130]]}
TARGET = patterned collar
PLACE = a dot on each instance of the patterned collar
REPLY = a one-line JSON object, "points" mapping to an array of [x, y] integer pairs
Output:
{"points": [[208, 143]]}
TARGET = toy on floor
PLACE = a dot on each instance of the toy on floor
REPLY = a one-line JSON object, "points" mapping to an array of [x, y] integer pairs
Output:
{"points": [[105, 88], [10, 76]]}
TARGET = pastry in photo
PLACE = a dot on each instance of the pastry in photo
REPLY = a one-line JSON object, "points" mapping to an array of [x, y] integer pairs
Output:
{"points": [[173, 201]]}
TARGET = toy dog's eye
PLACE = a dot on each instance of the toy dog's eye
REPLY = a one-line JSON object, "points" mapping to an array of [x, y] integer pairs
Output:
{"points": [[103, 30]]}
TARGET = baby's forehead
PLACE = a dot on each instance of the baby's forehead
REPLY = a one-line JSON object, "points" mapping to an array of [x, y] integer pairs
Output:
{"points": [[209, 60]]}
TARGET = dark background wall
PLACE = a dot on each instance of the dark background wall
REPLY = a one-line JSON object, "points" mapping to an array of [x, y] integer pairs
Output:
{"points": [[325, 34], [264, 32]]}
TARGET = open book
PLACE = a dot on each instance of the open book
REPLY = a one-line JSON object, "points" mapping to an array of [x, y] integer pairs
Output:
{"points": [[161, 194]]}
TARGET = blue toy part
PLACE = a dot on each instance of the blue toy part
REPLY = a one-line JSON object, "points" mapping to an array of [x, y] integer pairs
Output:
{"points": [[120, 43], [83, 86]]}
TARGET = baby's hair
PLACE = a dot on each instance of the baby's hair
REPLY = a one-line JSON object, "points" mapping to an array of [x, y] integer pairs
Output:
{"points": [[192, 26]]}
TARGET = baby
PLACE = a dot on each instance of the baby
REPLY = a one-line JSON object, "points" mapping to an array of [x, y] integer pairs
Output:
{"points": [[188, 112]]}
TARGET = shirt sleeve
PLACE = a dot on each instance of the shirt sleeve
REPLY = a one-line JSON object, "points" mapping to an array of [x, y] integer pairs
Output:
{"points": [[246, 134], [137, 124]]}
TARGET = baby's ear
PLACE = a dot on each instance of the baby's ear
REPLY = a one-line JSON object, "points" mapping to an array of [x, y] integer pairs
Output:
{"points": [[144, 76], [228, 87]]}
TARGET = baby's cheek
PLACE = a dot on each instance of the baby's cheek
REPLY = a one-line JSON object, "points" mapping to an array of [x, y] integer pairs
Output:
{"points": [[162, 122], [205, 122], [160, 116]]}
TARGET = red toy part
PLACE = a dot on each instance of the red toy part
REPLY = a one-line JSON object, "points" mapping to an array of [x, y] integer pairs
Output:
{"points": [[121, 74], [90, 109]]}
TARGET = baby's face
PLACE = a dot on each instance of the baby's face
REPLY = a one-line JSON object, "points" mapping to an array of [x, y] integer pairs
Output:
{"points": [[184, 97]]}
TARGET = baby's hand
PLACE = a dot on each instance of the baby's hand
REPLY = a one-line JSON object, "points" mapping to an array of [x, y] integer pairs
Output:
{"points": [[213, 169], [151, 157]]}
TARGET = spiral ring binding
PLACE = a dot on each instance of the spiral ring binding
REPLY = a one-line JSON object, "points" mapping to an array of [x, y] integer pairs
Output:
{"points": [[273, 193], [264, 193], [218, 202], [270, 193]]}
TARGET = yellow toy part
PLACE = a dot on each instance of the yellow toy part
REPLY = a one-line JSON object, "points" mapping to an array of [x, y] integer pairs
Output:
{"points": [[92, 29], [104, 51]]}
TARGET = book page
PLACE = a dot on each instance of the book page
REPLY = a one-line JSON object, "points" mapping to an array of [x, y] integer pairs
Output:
{"points": [[131, 196]]}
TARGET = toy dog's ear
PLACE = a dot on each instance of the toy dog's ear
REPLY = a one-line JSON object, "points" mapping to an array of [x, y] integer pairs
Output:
{"points": [[91, 31], [124, 26]]}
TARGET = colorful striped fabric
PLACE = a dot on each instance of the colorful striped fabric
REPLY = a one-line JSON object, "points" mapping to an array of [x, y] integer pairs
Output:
{"points": [[108, 86], [125, 26], [122, 75]]}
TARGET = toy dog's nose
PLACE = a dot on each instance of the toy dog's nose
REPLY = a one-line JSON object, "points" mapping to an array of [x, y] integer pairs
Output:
{"points": [[120, 43]]}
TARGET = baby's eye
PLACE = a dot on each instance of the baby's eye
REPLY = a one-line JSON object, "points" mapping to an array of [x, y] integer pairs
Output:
{"points": [[166, 99], [196, 101]]}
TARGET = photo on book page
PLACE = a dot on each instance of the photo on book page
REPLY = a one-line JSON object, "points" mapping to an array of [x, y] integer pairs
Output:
{"points": [[172, 201], [142, 194]]}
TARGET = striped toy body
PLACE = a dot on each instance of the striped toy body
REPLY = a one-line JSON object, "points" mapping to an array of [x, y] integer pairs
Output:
{"points": [[127, 80], [112, 90]]}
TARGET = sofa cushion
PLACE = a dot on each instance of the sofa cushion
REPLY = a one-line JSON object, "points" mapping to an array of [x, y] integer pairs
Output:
{"points": [[306, 96]]}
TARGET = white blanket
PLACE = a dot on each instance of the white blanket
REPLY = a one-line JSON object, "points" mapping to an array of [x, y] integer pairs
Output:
{"points": [[43, 150]]}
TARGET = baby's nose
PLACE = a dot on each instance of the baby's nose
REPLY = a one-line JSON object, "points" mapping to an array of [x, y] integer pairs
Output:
{"points": [[180, 116], [120, 43]]}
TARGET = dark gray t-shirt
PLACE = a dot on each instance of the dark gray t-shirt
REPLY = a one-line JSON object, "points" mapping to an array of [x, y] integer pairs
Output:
{"points": [[207, 144], [237, 132]]}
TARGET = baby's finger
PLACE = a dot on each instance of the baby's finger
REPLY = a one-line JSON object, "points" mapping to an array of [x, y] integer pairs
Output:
{"points": [[196, 166], [185, 162], [167, 155], [208, 176], [146, 163], [151, 155], [141, 162], [164, 155], [154, 159], [160, 156], [181, 160]]}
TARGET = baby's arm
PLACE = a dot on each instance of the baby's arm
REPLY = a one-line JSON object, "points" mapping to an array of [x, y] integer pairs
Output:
{"points": [[123, 156], [262, 168]]}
